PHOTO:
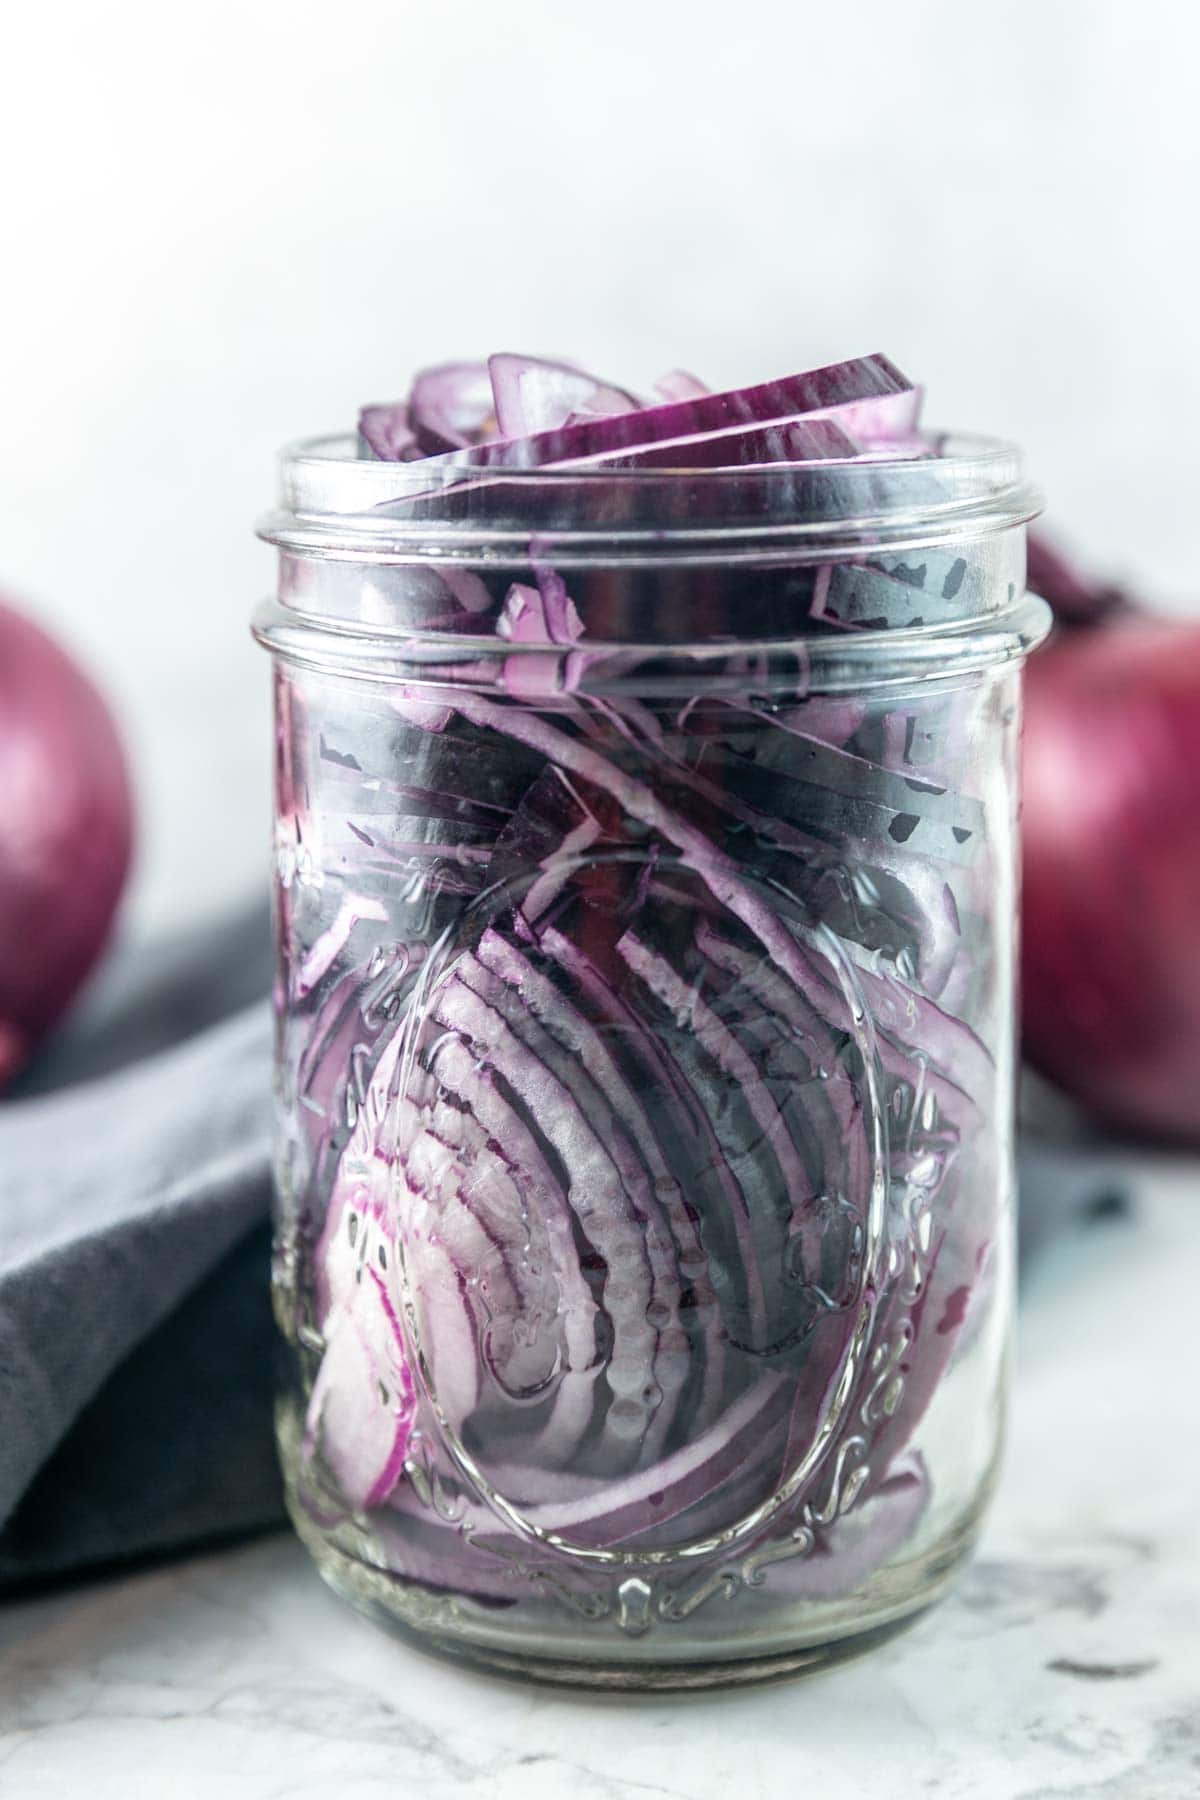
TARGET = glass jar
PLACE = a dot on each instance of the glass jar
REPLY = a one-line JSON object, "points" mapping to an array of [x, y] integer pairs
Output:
{"points": [[645, 868]]}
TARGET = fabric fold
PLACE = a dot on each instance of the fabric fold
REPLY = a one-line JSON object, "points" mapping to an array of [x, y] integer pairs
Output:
{"points": [[133, 1205]]}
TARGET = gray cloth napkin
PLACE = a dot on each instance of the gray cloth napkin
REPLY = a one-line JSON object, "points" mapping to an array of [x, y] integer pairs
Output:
{"points": [[135, 1333]]}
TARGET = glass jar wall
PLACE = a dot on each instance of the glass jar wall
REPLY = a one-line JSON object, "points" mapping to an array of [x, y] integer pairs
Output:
{"points": [[645, 887]]}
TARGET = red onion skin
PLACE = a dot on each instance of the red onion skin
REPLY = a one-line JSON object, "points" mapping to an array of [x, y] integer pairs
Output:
{"points": [[66, 832], [1111, 843], [1076, 597]]}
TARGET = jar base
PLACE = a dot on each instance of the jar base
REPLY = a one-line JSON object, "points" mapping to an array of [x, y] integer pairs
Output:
{"points": [[420, 1617]]}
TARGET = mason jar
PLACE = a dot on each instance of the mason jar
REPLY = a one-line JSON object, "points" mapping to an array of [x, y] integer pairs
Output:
{"points": [[645, 886]]}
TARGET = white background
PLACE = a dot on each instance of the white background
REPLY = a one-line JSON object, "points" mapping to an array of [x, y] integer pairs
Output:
{"points": [[227, 225]]}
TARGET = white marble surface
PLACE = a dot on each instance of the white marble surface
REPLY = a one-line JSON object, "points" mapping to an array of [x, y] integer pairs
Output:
{"points": [[1066, 1666]]}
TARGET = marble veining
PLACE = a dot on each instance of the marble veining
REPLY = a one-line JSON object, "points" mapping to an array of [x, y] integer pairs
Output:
{"points": [[1065, 1667]]}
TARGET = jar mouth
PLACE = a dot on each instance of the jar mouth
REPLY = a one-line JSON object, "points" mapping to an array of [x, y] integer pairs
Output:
{"points": [[944, 488]]}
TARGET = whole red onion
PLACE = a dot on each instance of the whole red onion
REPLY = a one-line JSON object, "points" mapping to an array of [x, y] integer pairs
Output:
{"points": [[1076, 596], [65, 832], [1111, 841]]}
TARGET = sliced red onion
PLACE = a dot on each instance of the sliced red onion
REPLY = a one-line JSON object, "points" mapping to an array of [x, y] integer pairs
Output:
{"points": [[545, 614], [692, 1130], [891, 419], [922, 1335], [583, 1040], [457, 1072], [719, 873], [817, 391], [324, 950], [426, 714], [594, 1194], [451, 407], [616, 1512], [449, 1330], [361, 1409], [691, 1011], [385, 432], [326, 1080], [798, 440], [644, 1238], [858, 1542], [535, 395], [539, 616], [677, 384], [832, 788]]}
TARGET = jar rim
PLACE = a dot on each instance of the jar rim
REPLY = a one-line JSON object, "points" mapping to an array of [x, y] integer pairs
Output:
{"points": [[334, 503], [432, 665]]}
